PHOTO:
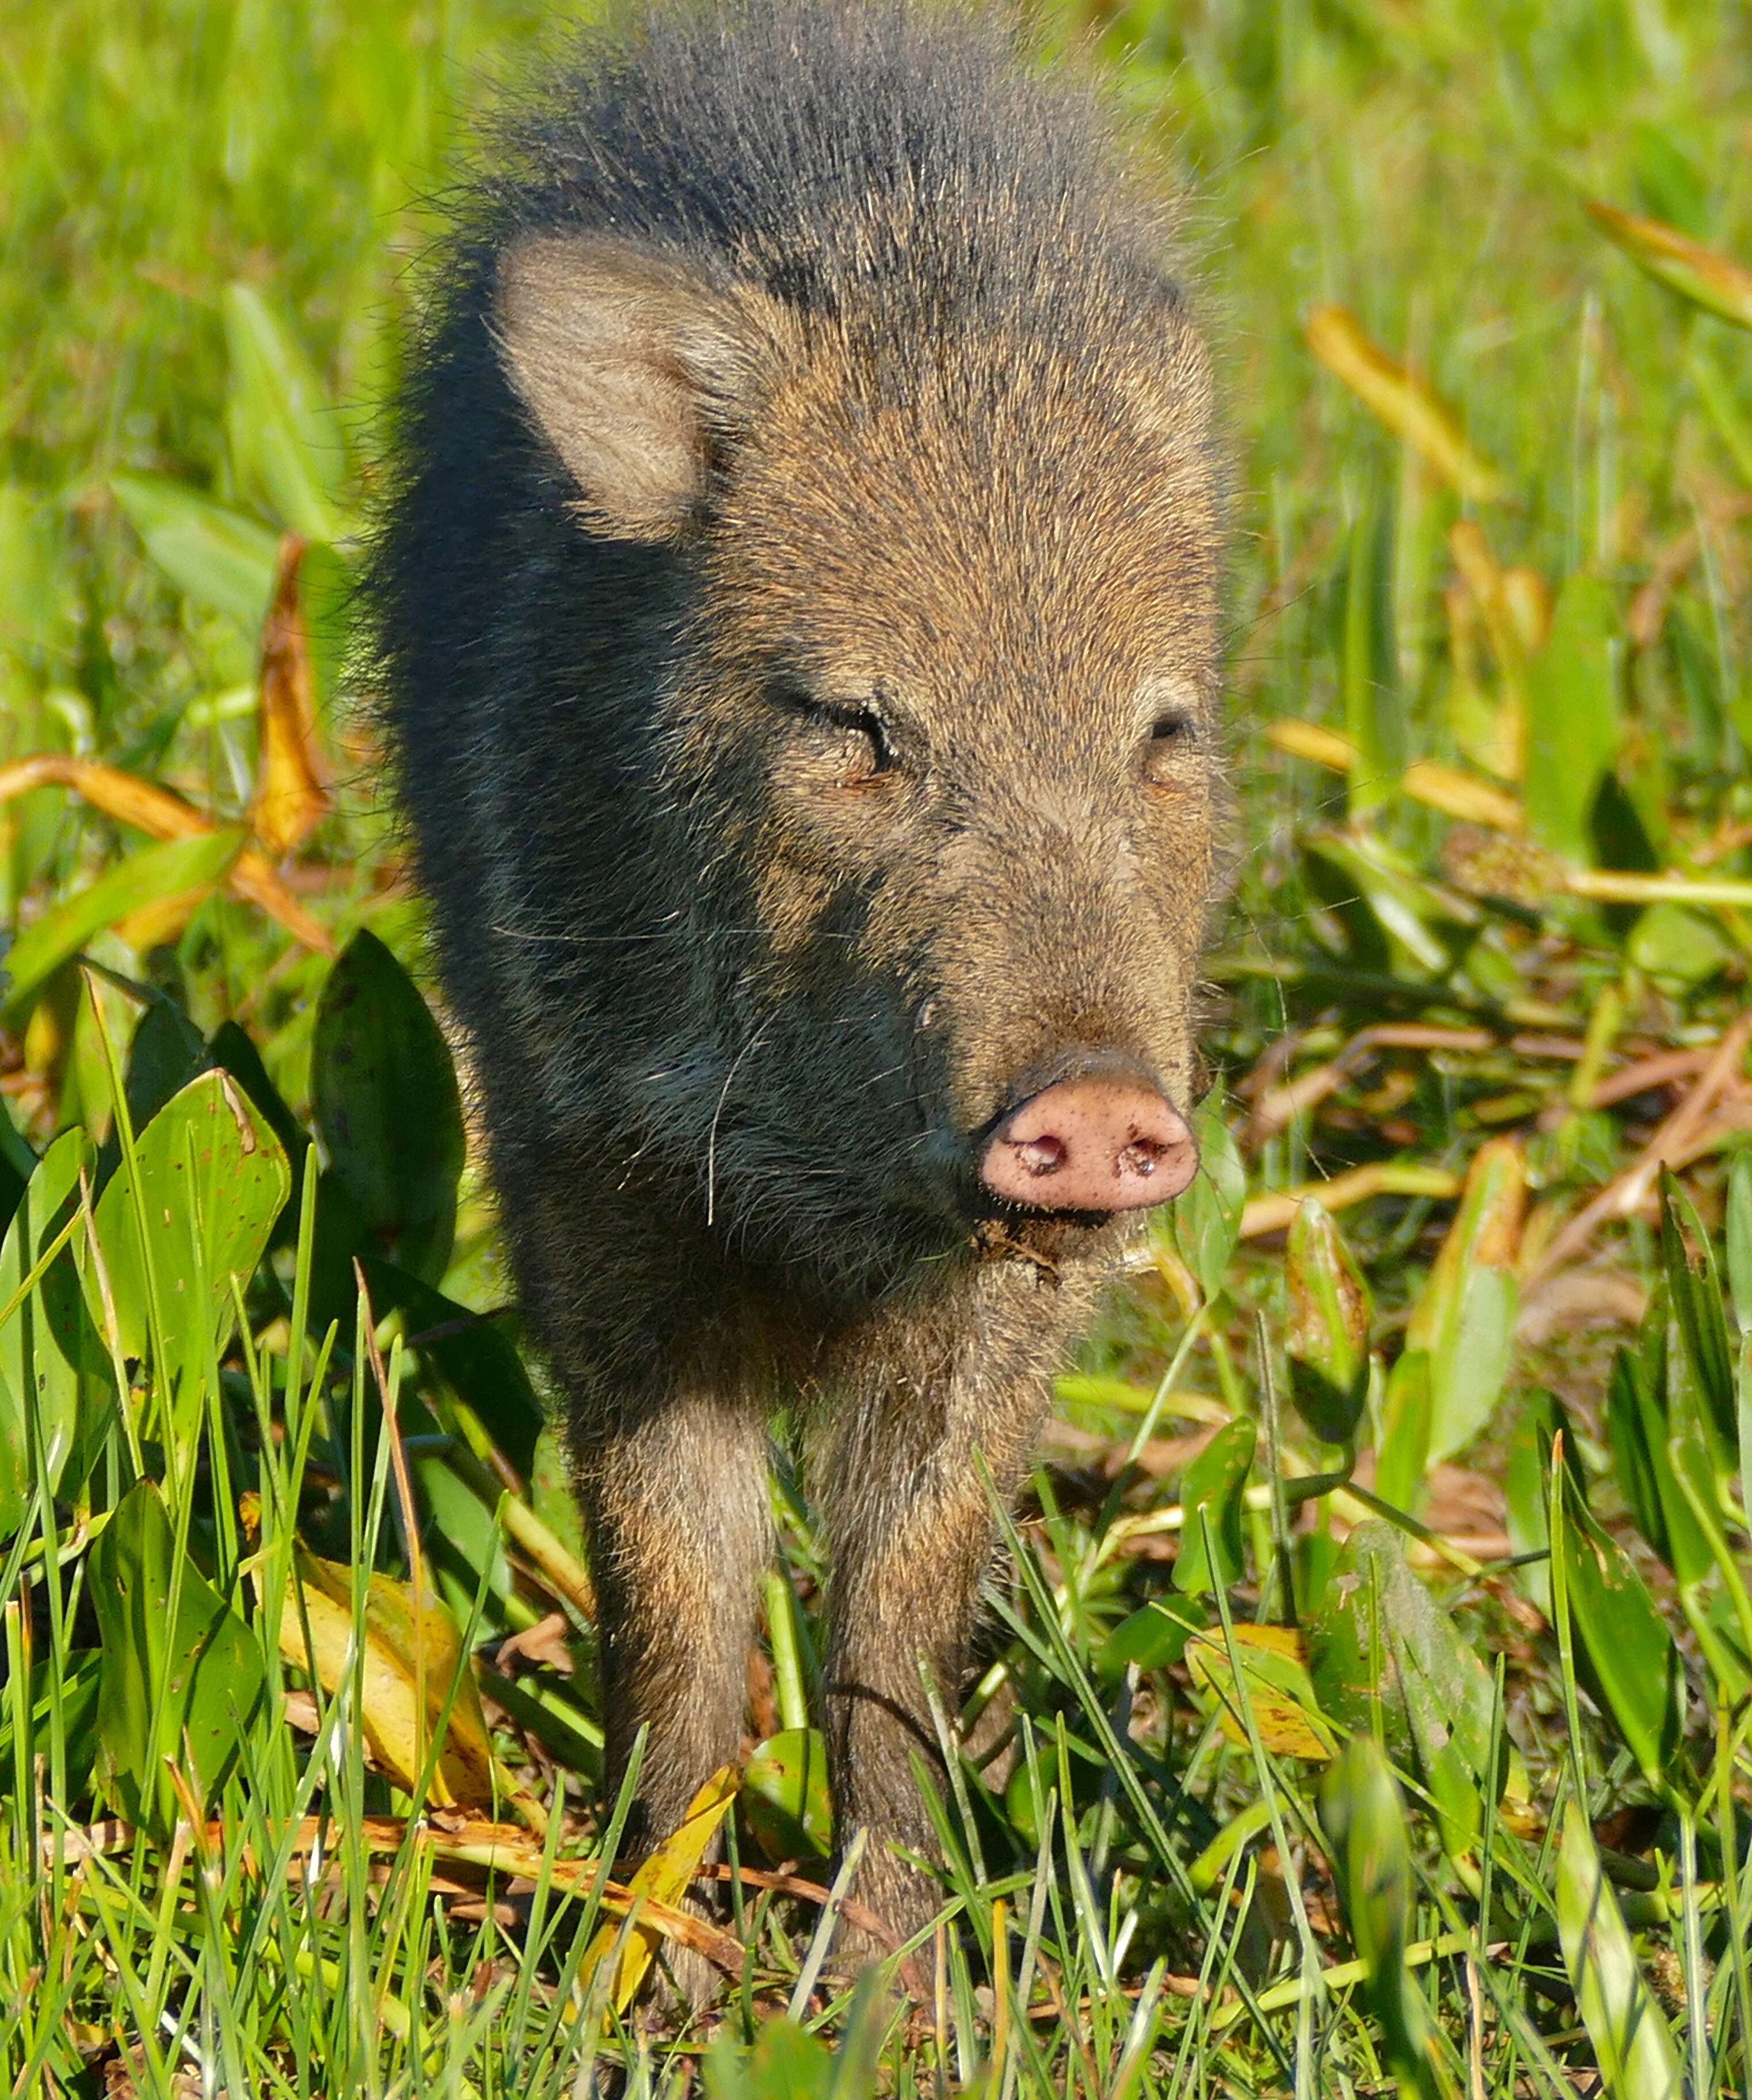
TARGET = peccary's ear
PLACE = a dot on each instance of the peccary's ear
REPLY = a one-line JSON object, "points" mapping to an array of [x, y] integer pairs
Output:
{"points": [[632, 364]]}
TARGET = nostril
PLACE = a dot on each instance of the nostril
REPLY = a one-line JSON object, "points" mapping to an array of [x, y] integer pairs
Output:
{"points": [[1141, 1157], [1041, 1155]]}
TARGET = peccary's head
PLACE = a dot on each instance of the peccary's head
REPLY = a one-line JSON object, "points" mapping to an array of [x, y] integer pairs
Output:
{"points": [[941, 724]]}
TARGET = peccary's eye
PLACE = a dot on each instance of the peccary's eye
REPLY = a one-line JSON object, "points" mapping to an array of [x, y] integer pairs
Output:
{"points": [[1173, 741], [855, 735], [865, 724]]}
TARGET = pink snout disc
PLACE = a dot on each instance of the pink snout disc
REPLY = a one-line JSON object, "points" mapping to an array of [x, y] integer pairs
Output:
{"points": [[1090, 1145]]}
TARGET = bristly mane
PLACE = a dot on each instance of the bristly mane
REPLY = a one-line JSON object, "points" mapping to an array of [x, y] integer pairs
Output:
{"points": [[809, 142]]}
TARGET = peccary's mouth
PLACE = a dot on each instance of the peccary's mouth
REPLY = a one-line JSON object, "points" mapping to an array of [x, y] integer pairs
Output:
{"points": [[1043, 1238]]}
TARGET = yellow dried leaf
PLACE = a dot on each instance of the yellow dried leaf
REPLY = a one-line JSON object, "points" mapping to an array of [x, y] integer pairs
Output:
{"points": [[1329, 747], [1459, 795], [1699, 274], [162, 815], [1274, 1640], [1478, 566], [129, 799], [1380, 1177], [1527, 601], [1440, 786], [663, 1879], [413, 1676], [291, 794], [1278, 1690], [155, 925], [252, 879], [473, 1841], [1401, 401]]}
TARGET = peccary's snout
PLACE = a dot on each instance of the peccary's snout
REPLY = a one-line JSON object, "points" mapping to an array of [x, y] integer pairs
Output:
{"points": [[1102, 1142]]}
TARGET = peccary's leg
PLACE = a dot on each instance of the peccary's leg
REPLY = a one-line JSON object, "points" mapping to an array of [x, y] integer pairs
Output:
{"points": [[911, 1528], [676, 1508]]}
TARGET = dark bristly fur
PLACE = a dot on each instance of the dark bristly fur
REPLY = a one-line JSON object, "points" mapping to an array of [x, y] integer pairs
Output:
{"points": [[797, 614]]}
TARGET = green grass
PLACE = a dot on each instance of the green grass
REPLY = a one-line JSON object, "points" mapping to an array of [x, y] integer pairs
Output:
{"points": [[1353, 1748]]}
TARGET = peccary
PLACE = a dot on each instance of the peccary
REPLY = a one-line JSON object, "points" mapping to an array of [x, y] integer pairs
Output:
{"points": [[797, 609]]}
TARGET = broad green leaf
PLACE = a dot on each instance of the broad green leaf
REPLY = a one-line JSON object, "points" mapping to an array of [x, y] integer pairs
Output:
{"points": [[1214, 1485], [1699, 1356], [1363, 1815], [218, 558], [787, 2062], [551, 1496], [1739, 1240], [1465, 1315], [385, 1099], [1401, 1464], [476, 1358], [464, 1543], [1369, 662], [1724, 1627], [1669, 941], [784, 1796], [1720, 1615], [1327, 1337], [1572, 726], [47, 1358], [1206, 1220], [1155, 1636], [1626, 1653], [287, 446], [1637, 1435], [1317, 1554], [182, 1674], [1632, 2045], [1651, 1338], [1467, 1375], [1526, 1489], [211, 1181], [1456, 1761], [232, 1051], [12, 1184], [174, 867], [18, 1163], [167, 1054], [74, 1685], [1383, 1656]]}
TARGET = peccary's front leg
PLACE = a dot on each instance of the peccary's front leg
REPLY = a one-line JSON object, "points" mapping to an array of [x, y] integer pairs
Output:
{"points": [[676, 1504], [911, 1528]]}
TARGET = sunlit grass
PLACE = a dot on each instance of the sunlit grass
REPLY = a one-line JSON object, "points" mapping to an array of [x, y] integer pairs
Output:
{"points": [[1493, 694]]}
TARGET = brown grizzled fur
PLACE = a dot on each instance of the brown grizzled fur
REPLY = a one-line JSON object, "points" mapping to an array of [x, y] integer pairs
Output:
{"points": [[798, 610]]}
